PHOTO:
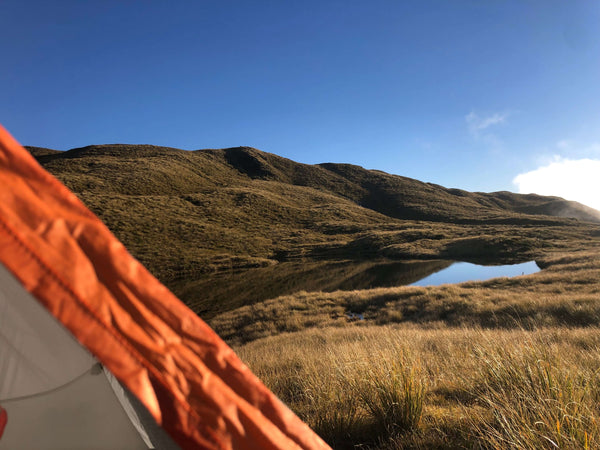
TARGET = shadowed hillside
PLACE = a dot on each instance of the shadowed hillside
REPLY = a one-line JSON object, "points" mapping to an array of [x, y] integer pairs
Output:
{"points": [[190, 214]]}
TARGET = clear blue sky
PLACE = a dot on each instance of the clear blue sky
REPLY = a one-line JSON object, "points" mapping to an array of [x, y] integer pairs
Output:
{"points": [[466, 94]]}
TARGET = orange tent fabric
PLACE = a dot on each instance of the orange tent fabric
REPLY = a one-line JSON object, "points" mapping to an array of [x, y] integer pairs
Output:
{"points": [[192, 383]]}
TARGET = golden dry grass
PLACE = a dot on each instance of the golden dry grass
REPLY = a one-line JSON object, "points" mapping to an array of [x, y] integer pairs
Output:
{"points": [[565, 293], [410, 387], [506, 363]]}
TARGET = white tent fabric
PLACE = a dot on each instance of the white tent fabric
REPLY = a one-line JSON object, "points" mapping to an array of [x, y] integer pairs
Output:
{"points": [[55, 393]]}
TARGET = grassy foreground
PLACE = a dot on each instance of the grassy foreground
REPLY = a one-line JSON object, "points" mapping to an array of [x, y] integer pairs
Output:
{"points": [[508, 363], [408, 387]]}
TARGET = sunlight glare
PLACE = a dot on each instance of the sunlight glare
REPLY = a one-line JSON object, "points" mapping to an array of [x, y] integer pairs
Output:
{"points": [[576, 180]]}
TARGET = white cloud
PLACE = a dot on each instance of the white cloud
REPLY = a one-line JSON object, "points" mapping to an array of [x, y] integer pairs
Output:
{"points": [[572, 179], [477, 124]]}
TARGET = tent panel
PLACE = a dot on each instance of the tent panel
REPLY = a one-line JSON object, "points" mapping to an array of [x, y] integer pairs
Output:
{"points": [[55, 393], [36, 353], [85, 414]]}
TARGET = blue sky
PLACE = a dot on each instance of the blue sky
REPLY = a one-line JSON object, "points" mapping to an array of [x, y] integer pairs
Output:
{"points": [[467, 94]]}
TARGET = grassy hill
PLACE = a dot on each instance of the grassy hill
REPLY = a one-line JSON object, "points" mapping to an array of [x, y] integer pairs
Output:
{"points": [[189, 214], [274, 255]]}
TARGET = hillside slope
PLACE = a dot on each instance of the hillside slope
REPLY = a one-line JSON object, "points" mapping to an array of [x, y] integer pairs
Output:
{"points": [[189, 214], [392, 195]]}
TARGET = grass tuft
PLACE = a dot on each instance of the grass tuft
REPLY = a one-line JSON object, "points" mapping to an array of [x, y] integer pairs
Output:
{"points": [[536, 401], [393, 392]]}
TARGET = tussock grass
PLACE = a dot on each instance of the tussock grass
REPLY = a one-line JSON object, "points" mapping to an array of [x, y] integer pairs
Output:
{"points": [[565, 293], [408, 387], [348, 394], [537, 398], [393, 390], [505, 363]]}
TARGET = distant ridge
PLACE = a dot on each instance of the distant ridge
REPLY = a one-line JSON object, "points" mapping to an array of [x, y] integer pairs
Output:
{"points": [[391, 195]]}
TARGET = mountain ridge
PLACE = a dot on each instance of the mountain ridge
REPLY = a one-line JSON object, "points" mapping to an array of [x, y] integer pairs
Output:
{"points": [[392, 195]]}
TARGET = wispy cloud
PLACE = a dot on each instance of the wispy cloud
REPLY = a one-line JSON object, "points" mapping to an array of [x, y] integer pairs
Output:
{"points": [[572, 179], [477, 124], [576, 149], [564, 144], [482, 129]]}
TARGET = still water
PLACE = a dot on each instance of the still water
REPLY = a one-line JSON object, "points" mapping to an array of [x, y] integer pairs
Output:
{"points": [[461, 271], [212, 293]]}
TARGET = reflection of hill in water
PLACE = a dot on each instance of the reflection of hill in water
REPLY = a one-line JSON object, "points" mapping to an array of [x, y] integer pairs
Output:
{"points": [[215, 293]]}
